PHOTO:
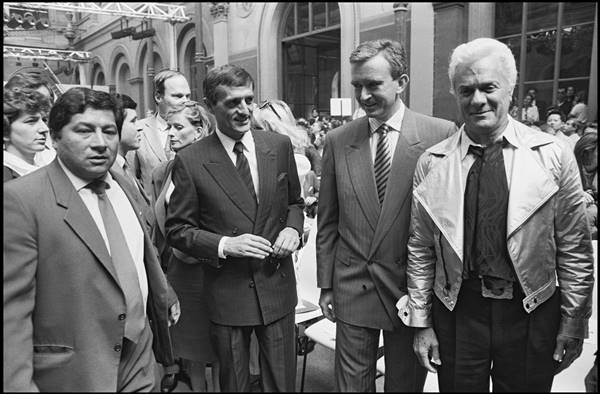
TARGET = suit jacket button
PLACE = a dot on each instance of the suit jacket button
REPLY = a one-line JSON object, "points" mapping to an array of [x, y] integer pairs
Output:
{"points": [[117, 348], [122, 316], [364, 287], [251, 284], [234, 231], [281, 220]]}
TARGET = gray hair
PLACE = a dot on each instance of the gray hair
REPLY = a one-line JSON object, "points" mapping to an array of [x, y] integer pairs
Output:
{"points": [[481, 48]]}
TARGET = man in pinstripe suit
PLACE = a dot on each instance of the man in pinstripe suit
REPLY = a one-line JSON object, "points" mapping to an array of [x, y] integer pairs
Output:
{"points": [[237, 209], [363, 221]]}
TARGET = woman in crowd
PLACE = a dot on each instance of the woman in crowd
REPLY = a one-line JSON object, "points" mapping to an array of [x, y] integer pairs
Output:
{"points": [[579, 110], [191, 340], [25, 130]]}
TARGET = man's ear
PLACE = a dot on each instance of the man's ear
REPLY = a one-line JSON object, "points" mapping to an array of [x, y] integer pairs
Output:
{"points": [[402, 83], [208, 104]]}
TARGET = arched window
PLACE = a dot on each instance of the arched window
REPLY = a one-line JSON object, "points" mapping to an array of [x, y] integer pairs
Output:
{"points": [[310, 17]]}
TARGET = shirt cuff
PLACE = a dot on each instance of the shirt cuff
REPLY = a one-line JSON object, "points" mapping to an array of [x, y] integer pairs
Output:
{"points": [[221, 246]]}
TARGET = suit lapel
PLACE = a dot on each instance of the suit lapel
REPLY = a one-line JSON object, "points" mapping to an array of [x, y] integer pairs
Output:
{"points": [[401, 177], [78, 217], [151, 134], [220, 167], [267, 171], [160, 211], [360, 169]]}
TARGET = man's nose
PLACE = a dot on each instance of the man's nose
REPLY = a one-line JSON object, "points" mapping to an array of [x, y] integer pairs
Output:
{"points": [[364, 93], [99, 139], [478, 97]]}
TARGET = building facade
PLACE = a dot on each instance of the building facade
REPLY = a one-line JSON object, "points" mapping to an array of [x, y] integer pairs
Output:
{"points": [[299, 52]]}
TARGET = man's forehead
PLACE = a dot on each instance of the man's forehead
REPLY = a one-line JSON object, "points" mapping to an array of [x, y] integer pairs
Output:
{"points": [[224, 91], [95, 116]]}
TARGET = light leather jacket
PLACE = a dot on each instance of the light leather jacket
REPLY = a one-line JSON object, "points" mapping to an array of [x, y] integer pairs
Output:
{"points": [[548, 237]]}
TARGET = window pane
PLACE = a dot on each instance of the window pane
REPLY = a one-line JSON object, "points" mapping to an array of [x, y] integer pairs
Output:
{"points": [[318, 16], [541, 49], [508, 18], [541, 15], [576, 51], [514, 44], [578, 13], [334, 14], [302, 18], [289, 23]]}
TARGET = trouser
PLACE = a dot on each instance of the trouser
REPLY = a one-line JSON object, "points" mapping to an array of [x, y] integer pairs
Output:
{"points": [[277, 355], [495, 338], [137, 367], [356, 358]]}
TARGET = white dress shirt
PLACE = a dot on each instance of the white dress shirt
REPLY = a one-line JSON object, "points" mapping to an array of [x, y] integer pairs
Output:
{"points": [[395, 124], [250, 153], [132, 230]]}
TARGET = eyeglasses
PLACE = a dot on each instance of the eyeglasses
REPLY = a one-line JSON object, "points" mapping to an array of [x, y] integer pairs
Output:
{"points": [[268, 103]]}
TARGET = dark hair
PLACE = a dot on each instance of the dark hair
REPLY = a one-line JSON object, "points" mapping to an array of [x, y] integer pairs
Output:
{"points": [[393, 52], [76, 101], [19, 101], [227, 75], [161, 78], [29, 80], [555, 111], [126, 101], [587, 142]]}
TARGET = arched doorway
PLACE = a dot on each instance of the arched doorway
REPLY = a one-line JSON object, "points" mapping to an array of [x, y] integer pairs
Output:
{"points": [[123, 77], [310, 56]]}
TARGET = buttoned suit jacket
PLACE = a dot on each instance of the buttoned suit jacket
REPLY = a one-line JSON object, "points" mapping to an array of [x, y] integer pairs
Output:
{"points": [[62, 298], [149, 155], [361, 246], [211, 200]]}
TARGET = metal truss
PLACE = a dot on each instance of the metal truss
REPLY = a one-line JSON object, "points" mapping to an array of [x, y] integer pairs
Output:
{"points": [[160, 11], [47, 54]]}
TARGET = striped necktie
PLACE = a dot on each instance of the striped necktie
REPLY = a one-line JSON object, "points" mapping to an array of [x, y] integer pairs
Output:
{"points": [[243, 167], [383, 161]]}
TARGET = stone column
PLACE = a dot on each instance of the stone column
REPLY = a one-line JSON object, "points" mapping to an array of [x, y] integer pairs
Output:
{"points": [[219, 12], [200, 68], [402, 23], [150, 75], [139, 81]]}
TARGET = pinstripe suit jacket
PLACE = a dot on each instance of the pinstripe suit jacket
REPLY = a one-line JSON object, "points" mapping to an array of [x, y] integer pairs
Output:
{"points": [[361, 246], [210, 201]]}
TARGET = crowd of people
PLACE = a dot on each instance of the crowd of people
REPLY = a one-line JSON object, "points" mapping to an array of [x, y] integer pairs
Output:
{"points": [[173, 239]]}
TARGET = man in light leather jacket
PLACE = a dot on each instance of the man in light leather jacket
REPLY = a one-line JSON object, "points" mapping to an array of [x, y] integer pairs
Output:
{"points": [[514, 303]]}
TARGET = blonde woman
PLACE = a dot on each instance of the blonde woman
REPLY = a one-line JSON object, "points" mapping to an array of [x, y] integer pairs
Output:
{"points": [[187, 123]]}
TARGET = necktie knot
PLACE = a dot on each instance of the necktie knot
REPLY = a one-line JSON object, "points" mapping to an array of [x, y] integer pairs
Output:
{"points": [[238, 147], [98, 186], [383, 129], [476, 150]]}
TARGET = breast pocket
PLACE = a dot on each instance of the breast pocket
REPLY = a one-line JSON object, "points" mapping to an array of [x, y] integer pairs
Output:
{"points": [[51, 356]]}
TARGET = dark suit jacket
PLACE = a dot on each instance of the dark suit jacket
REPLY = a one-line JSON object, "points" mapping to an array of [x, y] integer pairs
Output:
{"points": [[361, 247], [211, 201], [62, 299]]}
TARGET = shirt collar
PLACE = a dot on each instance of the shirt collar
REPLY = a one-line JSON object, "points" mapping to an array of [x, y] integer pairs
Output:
{"points": [[79, 183], [395, 121], [162, 124], [228, 142], [508, 134], [120, 160]]}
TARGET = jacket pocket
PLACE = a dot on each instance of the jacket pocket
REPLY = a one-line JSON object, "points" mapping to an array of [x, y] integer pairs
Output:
{"points": [[51, 356]]}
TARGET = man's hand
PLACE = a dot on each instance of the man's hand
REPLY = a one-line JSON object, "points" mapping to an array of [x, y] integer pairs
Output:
{"points": [[567, 350], [287, 241], [247, 245], [426, 348], [174, 313], [326, 304]]}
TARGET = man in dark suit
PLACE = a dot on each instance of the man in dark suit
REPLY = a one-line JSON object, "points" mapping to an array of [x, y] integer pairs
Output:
{"points": [[237, 209], [363, 221], [85, 299]]}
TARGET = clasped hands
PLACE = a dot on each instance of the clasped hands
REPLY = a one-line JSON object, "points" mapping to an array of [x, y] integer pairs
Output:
{"points": [[250, 245]]}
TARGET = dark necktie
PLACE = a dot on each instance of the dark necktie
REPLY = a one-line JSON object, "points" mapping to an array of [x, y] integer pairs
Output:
{"points": [[123, 263], [383, 162], [485, 213], [241, 164]]}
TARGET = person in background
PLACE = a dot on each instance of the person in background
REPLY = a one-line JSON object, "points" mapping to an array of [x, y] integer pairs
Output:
{"points": [[187, 123], [86, 305], [554, 120], [171, 89], [536, 101], [562, 103], [492, 286], [586, 153], [529, 112], [37, 80], [25, 130], [579, 110], [237, 209], [363, 221]]}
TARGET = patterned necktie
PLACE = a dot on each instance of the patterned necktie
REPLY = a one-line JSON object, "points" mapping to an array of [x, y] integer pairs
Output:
{"points": [[123, 263], [383, 161], [486, 208], [241, 164]]}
